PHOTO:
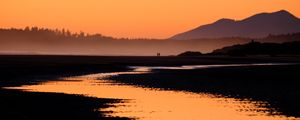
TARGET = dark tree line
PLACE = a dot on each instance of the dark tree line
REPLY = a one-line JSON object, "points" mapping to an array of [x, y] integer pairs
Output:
{"points": [[283, 37], [257, 48], [56, 34], [285, 44], [50, 33]]}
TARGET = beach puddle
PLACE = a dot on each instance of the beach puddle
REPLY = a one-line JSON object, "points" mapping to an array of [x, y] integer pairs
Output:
{"points": [[156, 104]]}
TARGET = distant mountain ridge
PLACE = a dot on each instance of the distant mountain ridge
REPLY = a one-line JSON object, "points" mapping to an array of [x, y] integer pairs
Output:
{"points": [[43, 41], [256, 26]]}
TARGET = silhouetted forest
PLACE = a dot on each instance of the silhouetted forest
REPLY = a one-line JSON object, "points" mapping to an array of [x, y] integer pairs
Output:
{"points": [[257, 48], [287, 44], [190, 53], [56, 34], [37, 41], [281, 38], [34, 40]]}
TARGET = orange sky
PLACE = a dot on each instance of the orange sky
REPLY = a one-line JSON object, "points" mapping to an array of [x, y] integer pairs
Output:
{"points": [[132, 18]]}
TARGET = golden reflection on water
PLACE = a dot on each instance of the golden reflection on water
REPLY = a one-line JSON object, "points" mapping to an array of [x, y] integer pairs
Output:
{"points": [[155, 104]]}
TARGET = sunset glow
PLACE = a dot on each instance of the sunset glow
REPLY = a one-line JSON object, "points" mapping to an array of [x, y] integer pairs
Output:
{"points": [[155, 103], [150, 59], [132, 18]]}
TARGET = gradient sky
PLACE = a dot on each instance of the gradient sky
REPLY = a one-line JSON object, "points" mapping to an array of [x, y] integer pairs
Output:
{"points": [[132, 18]]}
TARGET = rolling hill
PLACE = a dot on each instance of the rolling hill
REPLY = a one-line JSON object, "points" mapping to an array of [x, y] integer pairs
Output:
{"points": [[257, 26]]}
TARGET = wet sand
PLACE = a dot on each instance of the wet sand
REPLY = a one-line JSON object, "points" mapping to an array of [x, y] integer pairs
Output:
{"points": [[20, 70], [277, 85], [148, 103], [17, 105], [27, 70]]}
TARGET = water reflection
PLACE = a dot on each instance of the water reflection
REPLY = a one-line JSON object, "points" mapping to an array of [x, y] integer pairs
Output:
{"points": [[190, 67], [156, 104]]}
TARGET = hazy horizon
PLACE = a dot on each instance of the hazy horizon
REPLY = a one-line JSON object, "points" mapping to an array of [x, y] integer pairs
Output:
{"points": [[138, 28], [44, 41]]}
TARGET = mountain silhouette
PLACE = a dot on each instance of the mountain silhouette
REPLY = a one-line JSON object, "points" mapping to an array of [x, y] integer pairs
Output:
{"points": [[256, 26]]}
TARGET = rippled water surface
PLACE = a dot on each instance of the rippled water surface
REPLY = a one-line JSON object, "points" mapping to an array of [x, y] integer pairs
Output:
{"points": [[156, 104]]}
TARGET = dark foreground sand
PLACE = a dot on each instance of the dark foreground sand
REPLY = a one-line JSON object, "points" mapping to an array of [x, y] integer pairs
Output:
{"points": [[16, 105], [277, 85]]}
